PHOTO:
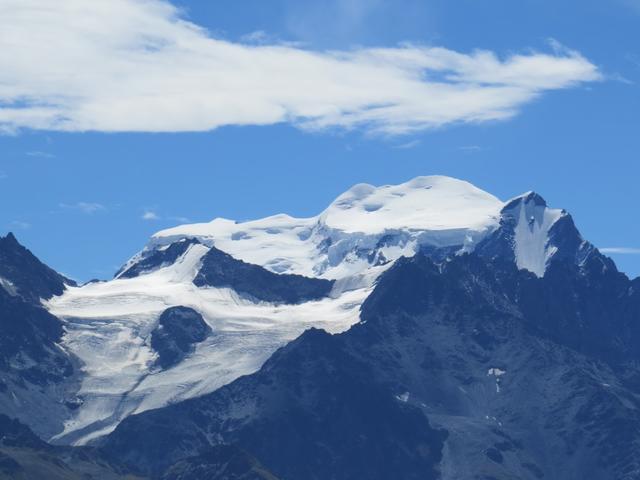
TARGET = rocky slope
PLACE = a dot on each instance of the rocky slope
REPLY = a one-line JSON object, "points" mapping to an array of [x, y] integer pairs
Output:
{"points": [[37, 376], [461, 369], [24, 456]]}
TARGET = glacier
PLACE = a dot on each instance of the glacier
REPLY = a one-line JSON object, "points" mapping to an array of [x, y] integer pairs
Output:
{"points": [[108, 324]]}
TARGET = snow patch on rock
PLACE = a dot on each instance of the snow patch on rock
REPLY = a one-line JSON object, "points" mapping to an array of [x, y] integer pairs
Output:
{"points": [[534, 221]]}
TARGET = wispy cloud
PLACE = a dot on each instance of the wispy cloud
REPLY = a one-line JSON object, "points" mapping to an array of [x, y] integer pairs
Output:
{"points": [[258, 37], [85, 207], [37, 153], [408, 145], [20, 224], [633, 58], [470, 148], [632, 4], [617, 77], [180, 219], [621, 250], [337, 19], [3, 175], [150, 215], [145, 68]]}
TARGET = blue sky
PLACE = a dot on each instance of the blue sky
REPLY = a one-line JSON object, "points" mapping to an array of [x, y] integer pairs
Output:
{"points": [[86, 192]]}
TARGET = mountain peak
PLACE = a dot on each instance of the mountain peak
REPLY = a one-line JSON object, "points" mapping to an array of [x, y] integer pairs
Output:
{"points": [[530, 197], [366, 225], [27, 274], [528, 234], [249, 278], [10, 239], [423, 203], [372, 225]]}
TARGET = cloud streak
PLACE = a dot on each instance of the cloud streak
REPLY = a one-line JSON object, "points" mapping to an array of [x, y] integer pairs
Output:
{"points": [[139, 66], [633, 4], [20, 224], [85, 207], [37, 153], [621, 250], [150, 215], [408, 145]]}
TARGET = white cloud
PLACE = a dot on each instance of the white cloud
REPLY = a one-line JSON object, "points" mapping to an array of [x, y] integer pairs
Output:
{"points": [[621, 250], [150, 215], [137, 65], [85, 207]]}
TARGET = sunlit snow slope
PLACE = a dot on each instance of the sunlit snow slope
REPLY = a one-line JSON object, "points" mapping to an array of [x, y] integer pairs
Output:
{"points": [[385, 222], [108, 324]]}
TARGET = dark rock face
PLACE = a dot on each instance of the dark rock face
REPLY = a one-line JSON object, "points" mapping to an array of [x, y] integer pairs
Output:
{"points": [[556, 354], [22, 274], [9, 468], [178, 330], [28, 333], [313, 411], [24, 456], [462, 369], [158, 258], [591, 308], [222, 270], [15, 434], [28, 342], [222, 462], [34, 370]]}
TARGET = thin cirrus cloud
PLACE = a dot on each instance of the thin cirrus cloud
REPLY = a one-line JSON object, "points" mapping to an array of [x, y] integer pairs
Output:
{"points": [[408, 145], [85, 207], [139, 66], [633, 4], [39, 154], [621, 250], [470, 148], [20, 224]]}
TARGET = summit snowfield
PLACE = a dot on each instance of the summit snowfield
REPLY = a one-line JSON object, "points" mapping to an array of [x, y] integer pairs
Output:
{"points": [[109, 325], [391, 221]]}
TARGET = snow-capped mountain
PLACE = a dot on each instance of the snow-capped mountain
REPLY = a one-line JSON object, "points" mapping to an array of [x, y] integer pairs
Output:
{"points": [[368, 226], [234, 275], [364, 226], [463, 369], [462, 334]]}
